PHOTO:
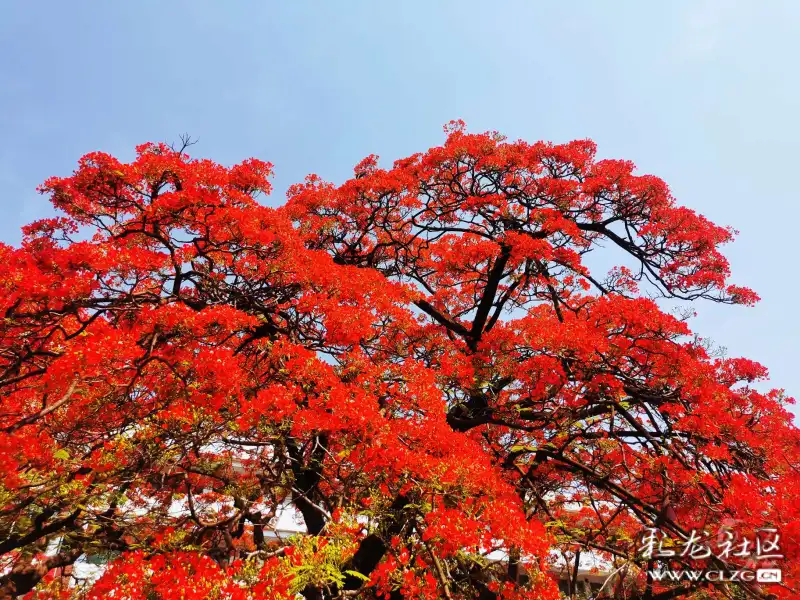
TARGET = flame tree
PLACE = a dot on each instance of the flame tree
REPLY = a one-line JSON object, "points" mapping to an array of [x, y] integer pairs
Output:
{"points": [[425, 363]]}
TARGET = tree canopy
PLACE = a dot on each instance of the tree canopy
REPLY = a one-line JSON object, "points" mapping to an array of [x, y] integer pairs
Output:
{"points": [[431, 364]]}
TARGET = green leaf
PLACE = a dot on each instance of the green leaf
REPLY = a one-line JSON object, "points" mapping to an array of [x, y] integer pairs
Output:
{"points": [[523, 448]]}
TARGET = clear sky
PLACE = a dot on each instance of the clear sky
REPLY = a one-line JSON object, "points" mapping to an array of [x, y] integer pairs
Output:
{"points": [[704, 93]]}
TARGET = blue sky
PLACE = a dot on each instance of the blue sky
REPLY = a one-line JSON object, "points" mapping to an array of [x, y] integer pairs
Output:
{"points": [[704, 93]]}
